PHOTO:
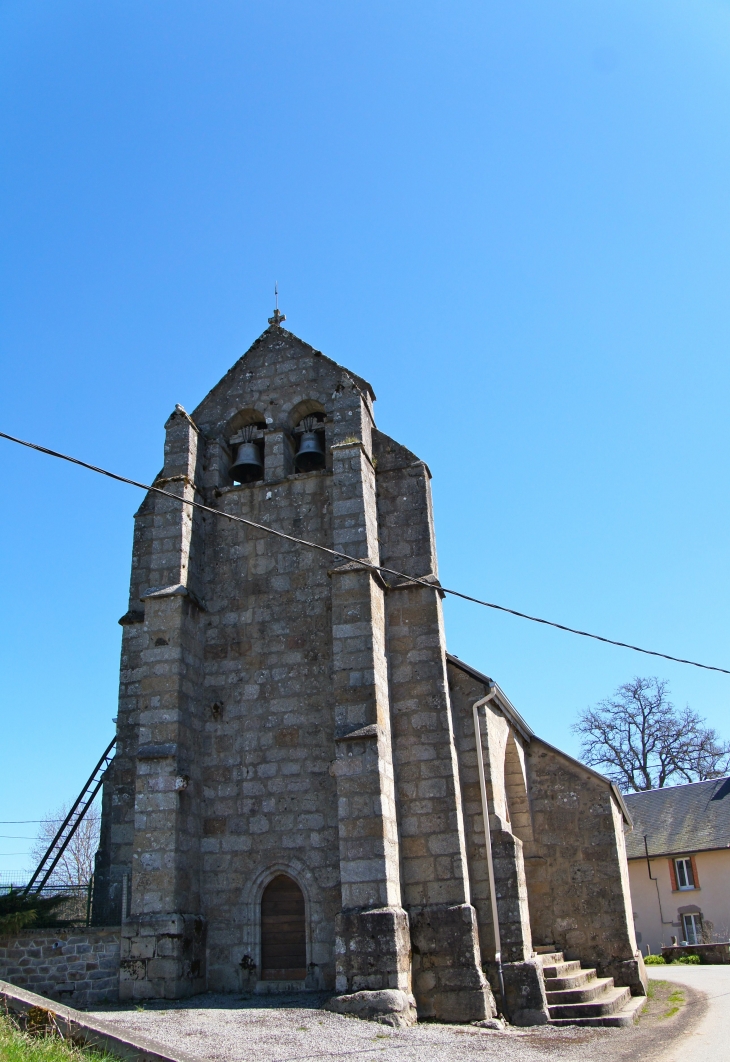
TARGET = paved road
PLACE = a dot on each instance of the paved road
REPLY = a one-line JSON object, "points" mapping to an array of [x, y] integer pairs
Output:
{"points": [[710, 1042]]}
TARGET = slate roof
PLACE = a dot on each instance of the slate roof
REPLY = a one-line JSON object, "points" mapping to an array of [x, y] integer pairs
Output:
{"points": [[680, 819]]}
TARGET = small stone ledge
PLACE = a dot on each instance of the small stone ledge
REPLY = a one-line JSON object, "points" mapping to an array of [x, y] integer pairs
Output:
{"points": [[356, 566], [414, 467], [163, 751], [178, 590], [131, 617], [431, 580], [351, 444], [370, 731], [185, 480]]}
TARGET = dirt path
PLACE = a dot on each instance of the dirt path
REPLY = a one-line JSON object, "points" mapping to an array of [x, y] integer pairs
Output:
{"points": [[709, 1039]]}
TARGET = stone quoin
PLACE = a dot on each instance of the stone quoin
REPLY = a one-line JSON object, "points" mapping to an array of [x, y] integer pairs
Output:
{"points": [[295, 798]]}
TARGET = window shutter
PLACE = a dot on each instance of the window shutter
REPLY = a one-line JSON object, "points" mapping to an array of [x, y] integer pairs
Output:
{"points": [[695, 879], [672, 875]]}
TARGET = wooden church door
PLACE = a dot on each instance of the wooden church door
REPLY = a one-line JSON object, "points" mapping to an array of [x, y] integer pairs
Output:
{"points": [[283, 935]]}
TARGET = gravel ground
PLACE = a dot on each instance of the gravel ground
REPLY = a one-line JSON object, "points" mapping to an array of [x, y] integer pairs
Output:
{"points": [[222, 1028]]}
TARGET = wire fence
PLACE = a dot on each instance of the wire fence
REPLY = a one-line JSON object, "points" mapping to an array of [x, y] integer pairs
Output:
{"points": [[74, 911], [14, 878]]}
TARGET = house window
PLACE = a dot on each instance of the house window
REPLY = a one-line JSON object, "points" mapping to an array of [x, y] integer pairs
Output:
{"points": [[685, 877], [692, 925]]}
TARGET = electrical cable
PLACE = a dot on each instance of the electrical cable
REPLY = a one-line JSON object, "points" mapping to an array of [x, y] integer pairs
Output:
{"points": [[360, 561]]}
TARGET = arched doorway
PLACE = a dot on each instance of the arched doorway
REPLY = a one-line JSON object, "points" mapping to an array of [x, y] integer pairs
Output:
{"points": [[283, 934]]}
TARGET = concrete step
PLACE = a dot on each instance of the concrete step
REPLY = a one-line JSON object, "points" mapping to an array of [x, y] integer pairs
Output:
{"points": [[611, 1001], [586, 993], [576, 980], [626, 1016], [561, 969], [546, 949], [549, 958]]}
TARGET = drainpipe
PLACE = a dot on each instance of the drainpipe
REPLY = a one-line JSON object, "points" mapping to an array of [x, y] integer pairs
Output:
{"points": [[656, 882], [488, 842]]}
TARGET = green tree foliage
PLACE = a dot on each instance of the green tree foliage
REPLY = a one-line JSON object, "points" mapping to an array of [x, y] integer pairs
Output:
{"points": [[18, 911]]}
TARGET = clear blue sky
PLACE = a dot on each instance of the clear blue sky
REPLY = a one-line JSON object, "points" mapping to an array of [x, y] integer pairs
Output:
{"points": [[512, 218]]}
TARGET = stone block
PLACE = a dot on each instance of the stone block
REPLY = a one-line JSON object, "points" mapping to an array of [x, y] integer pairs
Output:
{"points": [[445, 944], [387, 1007], [373, 946], [142, 948], [524, 989]]}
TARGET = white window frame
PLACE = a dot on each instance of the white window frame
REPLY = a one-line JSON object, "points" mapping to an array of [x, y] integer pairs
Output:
{"points": [[692, 927], [684, 874]]}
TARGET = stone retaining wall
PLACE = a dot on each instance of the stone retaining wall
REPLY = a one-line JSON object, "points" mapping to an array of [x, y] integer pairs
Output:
{"points": [[711, 954], [79, 967]]}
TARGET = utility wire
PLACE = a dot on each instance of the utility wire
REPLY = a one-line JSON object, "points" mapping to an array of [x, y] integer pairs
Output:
{"points": [[363, 563]]}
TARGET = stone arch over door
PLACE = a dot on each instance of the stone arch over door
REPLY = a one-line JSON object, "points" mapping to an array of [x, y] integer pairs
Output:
{"points": [[318, 951]]}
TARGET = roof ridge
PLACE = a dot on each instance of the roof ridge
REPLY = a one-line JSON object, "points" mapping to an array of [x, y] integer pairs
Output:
{"points": [[682, 785]]}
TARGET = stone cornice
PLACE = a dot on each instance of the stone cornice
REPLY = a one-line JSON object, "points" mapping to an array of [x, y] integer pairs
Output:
{"points": [[178, 590]]}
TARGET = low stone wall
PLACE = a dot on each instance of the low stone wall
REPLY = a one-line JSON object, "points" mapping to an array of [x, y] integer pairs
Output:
{"points": [[710, 954], [33, 1013], [79, 967]]}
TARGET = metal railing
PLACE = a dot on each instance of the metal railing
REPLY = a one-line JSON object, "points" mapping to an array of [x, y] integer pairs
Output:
{"points": [[74, 911]]}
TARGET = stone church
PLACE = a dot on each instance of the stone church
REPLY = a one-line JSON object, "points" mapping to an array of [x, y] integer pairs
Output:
{"points": [[295, 801]]}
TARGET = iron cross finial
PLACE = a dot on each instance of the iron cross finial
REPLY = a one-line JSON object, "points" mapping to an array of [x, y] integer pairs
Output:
{"points": [[278, 317]]}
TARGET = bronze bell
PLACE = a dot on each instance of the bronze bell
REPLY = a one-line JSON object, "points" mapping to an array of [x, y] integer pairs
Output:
{"points": [[310, 455], [248, 465]]}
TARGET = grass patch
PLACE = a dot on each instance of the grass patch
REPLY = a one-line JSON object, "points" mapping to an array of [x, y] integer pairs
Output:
{"points": [[18, 1046], [665, 999], [675, 1000]]}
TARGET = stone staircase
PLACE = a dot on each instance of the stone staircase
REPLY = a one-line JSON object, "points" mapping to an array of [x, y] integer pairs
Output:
{"points": [[577, 997]]}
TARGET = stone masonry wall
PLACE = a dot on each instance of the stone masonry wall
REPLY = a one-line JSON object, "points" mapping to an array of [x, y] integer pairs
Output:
{"points": [[79, 967], [578, 882]]}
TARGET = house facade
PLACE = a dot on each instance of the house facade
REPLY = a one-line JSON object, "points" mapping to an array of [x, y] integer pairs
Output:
{"points": [[296, 797], [679, 864]]}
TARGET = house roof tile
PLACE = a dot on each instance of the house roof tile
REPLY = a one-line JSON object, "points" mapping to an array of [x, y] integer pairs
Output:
{"points": [[679, 819]]}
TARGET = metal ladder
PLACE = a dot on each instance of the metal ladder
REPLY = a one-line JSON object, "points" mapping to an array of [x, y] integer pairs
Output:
{"points": [[71, 823]]}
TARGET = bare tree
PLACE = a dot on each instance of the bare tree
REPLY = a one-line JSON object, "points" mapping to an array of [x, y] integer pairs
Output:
{"points": [[76, 865], [641, 741]]}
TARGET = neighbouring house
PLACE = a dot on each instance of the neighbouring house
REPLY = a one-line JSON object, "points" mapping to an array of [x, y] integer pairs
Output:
{"points": [[296, 798], [679, 864]]}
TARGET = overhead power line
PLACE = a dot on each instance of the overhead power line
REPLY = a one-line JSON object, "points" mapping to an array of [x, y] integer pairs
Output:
{"points": [[358, 560]]}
